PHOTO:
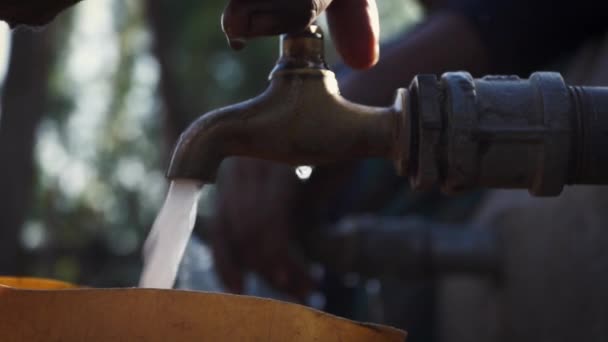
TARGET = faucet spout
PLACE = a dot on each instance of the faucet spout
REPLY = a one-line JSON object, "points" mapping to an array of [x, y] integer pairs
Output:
{"points": [[300, 119]]}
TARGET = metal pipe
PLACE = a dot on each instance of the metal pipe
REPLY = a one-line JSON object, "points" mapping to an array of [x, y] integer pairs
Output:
{"points": [[506, 132]]}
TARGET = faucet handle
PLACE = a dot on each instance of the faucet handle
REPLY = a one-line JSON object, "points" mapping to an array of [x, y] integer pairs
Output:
{"points": [[302, 50]]}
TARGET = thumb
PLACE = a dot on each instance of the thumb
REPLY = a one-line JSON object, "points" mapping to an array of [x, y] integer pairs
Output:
{"points": [[244, 19]]}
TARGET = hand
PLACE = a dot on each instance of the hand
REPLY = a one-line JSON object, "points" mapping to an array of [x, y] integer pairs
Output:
{"points": [[252, 227], [32, 12], [353, 24]]}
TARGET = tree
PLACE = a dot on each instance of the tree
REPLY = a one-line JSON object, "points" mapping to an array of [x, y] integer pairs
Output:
{"points": [[24, 100]]}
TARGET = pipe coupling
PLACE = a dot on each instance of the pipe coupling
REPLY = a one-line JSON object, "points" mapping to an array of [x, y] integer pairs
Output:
{"points": [[504, 132]]}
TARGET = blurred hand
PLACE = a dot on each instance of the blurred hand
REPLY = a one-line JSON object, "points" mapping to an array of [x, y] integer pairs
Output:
{"points": [[252, 227], [32, 12], [353, 24]]}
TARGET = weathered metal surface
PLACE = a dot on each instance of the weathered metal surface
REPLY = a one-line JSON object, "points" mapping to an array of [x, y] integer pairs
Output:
{"points": [[458, 132], [590, 153], [506, 132], [301, 119], [495, 132]]}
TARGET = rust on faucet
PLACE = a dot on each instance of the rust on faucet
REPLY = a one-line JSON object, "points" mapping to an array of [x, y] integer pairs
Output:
{"points": [[300, 119]]}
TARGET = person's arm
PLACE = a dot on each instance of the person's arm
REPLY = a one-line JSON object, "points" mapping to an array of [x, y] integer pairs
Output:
{"points": [[446, 41], [479, 36], [32, 12], [523, 36]]}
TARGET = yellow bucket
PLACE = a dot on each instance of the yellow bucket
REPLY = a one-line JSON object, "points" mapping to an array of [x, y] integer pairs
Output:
{"points": [[33, 309]]}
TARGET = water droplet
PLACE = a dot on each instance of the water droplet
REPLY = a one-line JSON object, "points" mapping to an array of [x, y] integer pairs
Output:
{"points": [[304, 172]]}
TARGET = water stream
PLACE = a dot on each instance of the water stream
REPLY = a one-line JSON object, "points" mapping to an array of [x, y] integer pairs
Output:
{"points": [[167, 240]]}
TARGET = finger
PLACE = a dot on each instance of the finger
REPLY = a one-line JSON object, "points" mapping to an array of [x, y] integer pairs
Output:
{"points": [[355, 30], [243, 19]]}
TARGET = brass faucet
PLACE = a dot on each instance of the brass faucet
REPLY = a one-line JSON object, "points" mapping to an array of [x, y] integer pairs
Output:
{"points": [[457, 132], [300, 119]]}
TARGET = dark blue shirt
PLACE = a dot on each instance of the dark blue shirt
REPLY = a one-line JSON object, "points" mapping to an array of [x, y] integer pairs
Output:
{"points": [[525, 35]]}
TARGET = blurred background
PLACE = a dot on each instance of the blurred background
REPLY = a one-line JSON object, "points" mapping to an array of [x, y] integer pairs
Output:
{"points": [[91, 106]]}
